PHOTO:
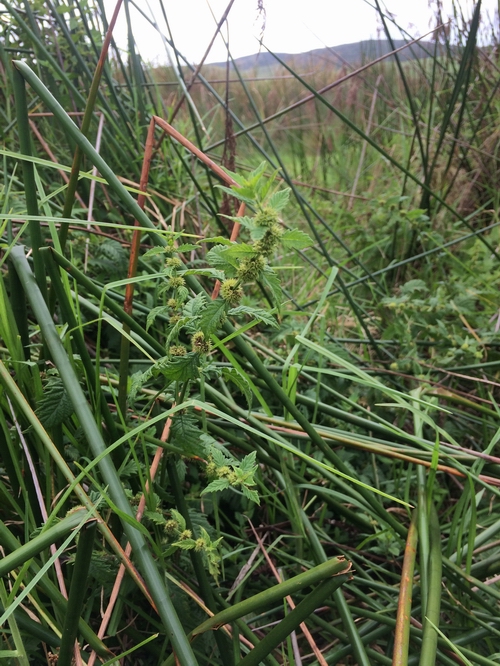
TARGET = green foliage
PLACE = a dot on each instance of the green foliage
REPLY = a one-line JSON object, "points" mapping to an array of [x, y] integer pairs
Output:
{"points": [[204, 545], [54, 406], [186, 433], [296, 380], [227, 473], [212, 316]]}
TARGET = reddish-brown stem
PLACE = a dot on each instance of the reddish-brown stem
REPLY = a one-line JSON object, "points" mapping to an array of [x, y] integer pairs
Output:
{"points": [[193, 149], [141, 199], [132, 269], [148, 152], [107, 39]]}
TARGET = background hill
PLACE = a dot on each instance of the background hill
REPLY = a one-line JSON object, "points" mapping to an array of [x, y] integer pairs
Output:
{"points": [[351, 54]]}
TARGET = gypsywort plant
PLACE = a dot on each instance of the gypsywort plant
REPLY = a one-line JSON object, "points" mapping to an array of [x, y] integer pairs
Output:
{"points": [[193, 323]]}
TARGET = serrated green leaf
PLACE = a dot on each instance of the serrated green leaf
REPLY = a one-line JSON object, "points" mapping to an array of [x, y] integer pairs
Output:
{"points": [[216, 258], [237, 194], [263, 186], [138, 381], [257, 174], [155, 517], [186, 434], [195, 305], [295, 239], [182, 293], [176, 329], [207, 272], [205, 536], [237, 177], [211, 316], [271, 281], [245, 221], [412, 286], [155, 251], [217, 239], [255, 313], [218, 457], [182, 368], [232, 375], [248, 181], [152, 314], [179, 518], [216, 486], [55, 406], [252, 495], [279, 200], [257, 233], [237, 252], [185, 544], [248, 463], [186, 247]]}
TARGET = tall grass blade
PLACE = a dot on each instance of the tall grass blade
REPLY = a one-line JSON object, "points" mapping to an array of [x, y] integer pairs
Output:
{"points": [[402, 631], [29, 179], [430, 635], [77, 592], [293, 620]]}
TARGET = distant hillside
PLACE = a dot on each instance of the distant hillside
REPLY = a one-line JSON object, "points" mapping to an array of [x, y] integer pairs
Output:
{"points": [[351, 54]]}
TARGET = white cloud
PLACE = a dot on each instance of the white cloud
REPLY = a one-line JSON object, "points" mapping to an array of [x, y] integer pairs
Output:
{"points": [[292, 26]]}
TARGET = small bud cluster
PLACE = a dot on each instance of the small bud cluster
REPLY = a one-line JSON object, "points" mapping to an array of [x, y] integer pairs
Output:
{"points": [[267, 217], [268, 243], [171, 527], [222, 472], [200, 344], [231, 291], [177, 350], [250, 269], [174, 262], [176, 281], [211, 469]]}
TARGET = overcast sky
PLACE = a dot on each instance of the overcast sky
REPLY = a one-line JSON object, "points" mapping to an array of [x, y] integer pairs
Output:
{"points": [[291, 26]]}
